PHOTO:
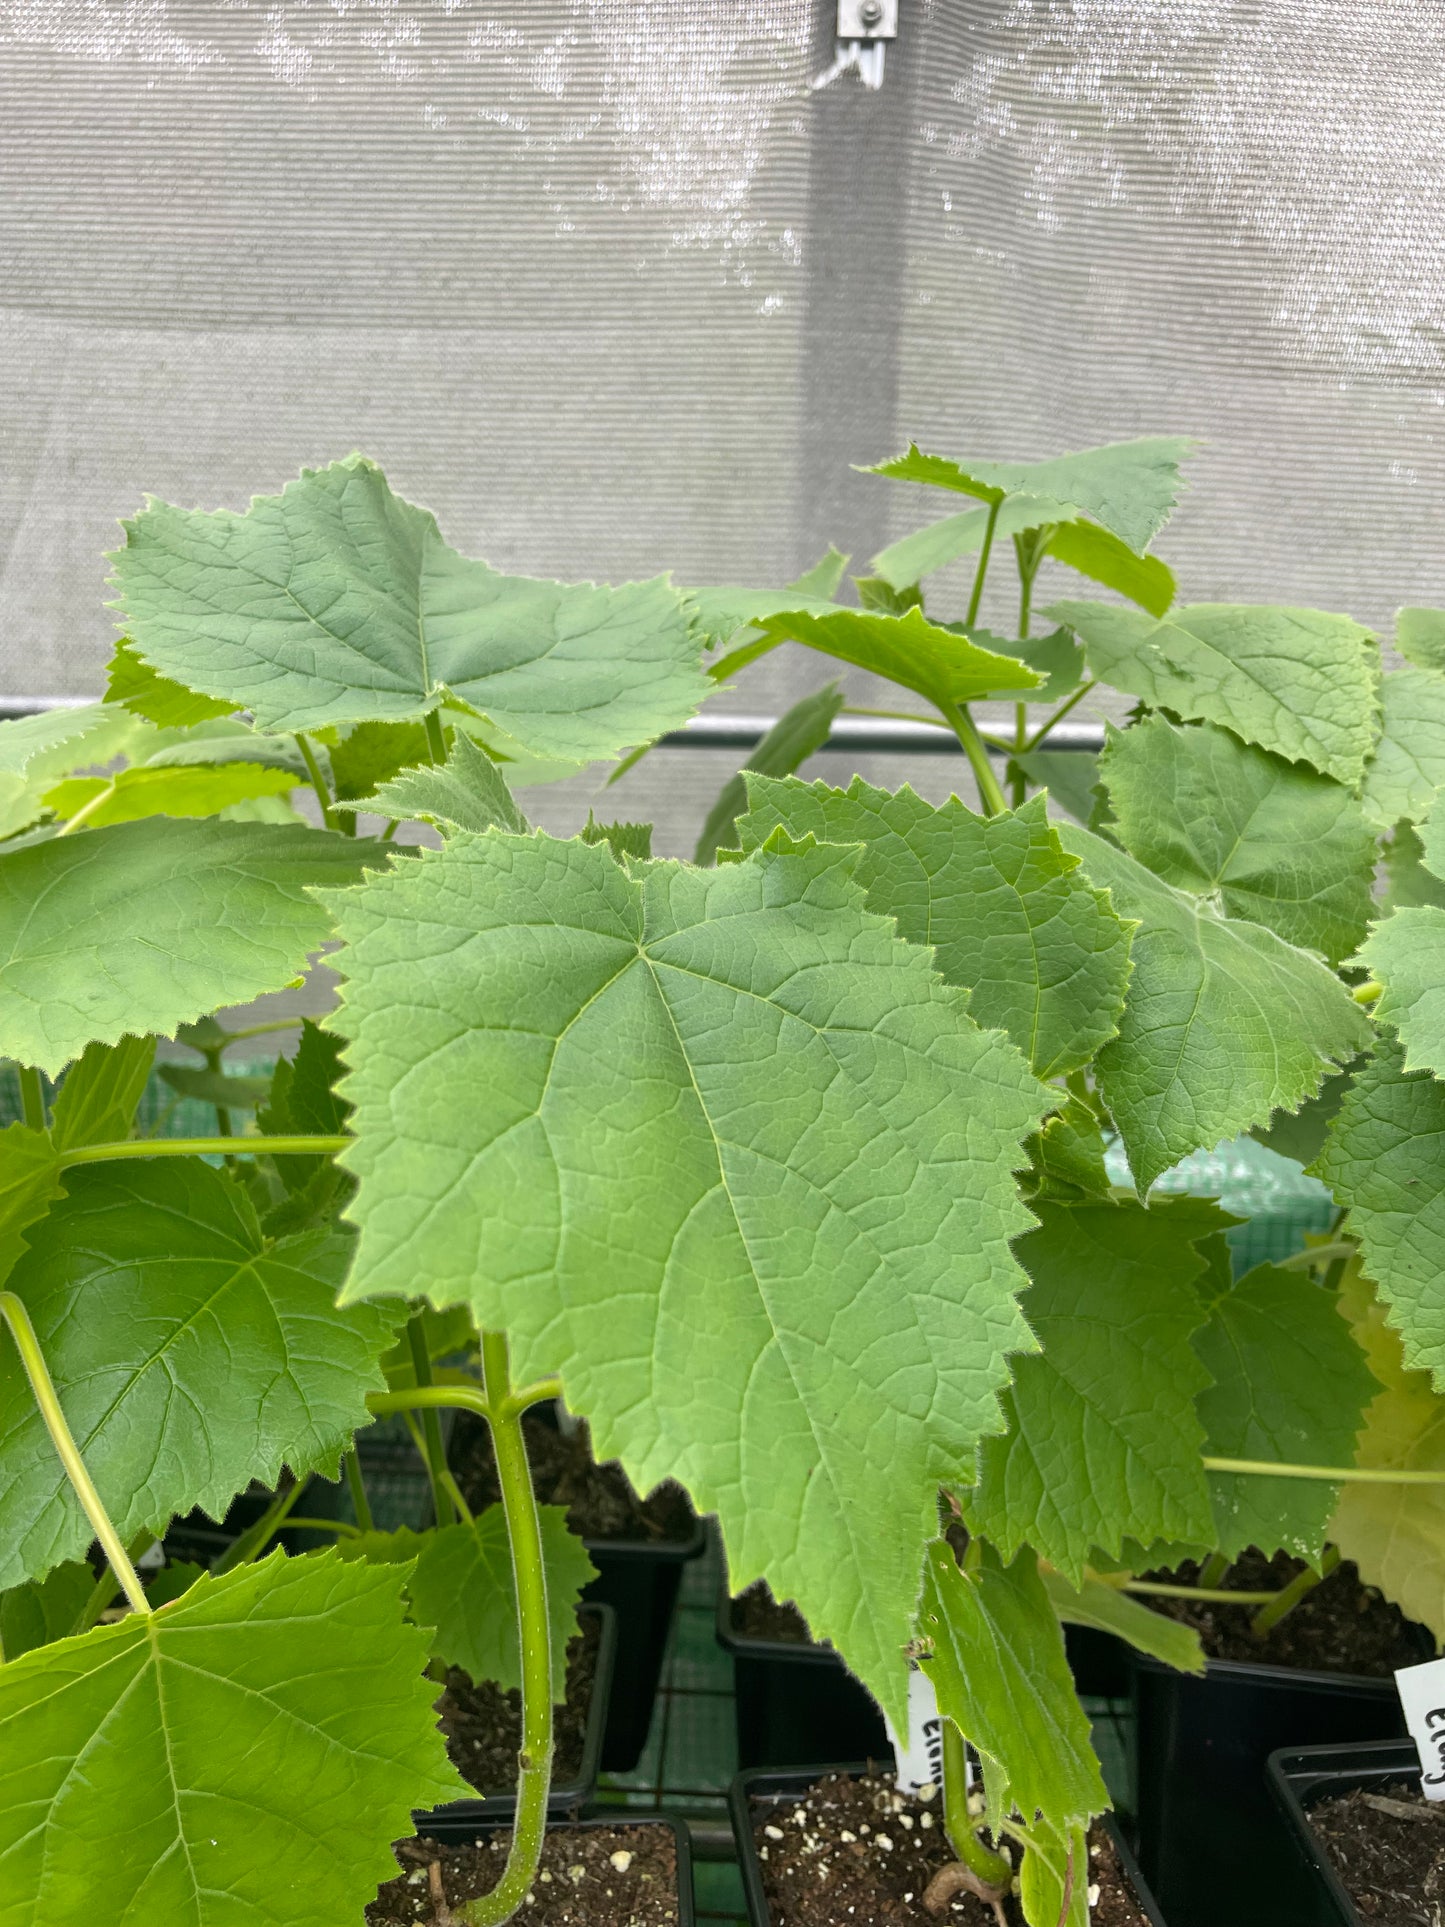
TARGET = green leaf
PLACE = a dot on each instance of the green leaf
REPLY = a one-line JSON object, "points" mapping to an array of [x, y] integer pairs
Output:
{"points": [[1056, 657], [98, 931], [1009, 913], [150, 1769], [1067, 1156], [303, 1099], [1405, 954], [623, 839], [461, 1590], [1409, 884], [719, 613], [468, 792], [41, 1612], [909, 650], [934, 547], [1290, 1384], [1108, 1610], [227, 741], [190, 1353], [370, 754], [1223, 1024], [29, 1184], [1382, 1161], [180, 791], [1070, 776], [1101, 556], [874, 593], [337, 602], [229, 1091], [1300, 1134], [1408, 765], [101, 1092], [999, 1669], [782, 1247], [1420, 637], [133, 684], [797, 734], [35, 750], [825, 578], [1131, 487], [1103, 1442], [1295, 681], [1276, 843]]}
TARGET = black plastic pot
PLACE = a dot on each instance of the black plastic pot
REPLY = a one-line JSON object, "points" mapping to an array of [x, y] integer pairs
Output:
{"points": [[565, 1798], [1298, 1776], [1213, 1844], [1101, 1663], [638, 1579], [786, 1787], [797, 1705], [453, 1831]]}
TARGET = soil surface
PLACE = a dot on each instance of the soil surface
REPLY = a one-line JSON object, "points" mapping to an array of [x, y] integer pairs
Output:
{"points": [[483, 1724], [601, 1500], [1388, 1848], [590, 1877], [757, 1615], [1343, 1626], [854, 1850]]}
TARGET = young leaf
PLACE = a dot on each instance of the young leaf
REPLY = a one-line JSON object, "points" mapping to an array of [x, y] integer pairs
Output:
{"points": [[1382, 1161], [999, 1669], [1009, 913], [1067, 1156], [337, 602], [793, 738], [1223, 1023], [190, 1355], [910, 650], [623, 839], [874, 593], [776, 1266], [1103, 1441], [1408, 765], [1278, 844], [1290, 1383], [101, 1092], [39, 1613], [1108, 1610], [98, 930], [1420, 637], [149, 1770], [1295, 681], [1131, 487], [468, 792], [198, 790], [133, 684], [461, 1590]]}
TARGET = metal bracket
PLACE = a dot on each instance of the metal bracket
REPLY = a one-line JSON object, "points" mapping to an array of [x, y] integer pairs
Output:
{"points": [[864, 29]]}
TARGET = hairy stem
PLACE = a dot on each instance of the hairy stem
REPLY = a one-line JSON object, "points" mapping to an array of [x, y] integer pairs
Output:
{"points": [[1213, 1569], [433, 1451], [356, 1485], [13, 1311], [524, 1534], [318, 781], [981, 571], [1330, 1474], [963, 1836], [188, 1147], [436, 741], [989, 793], [107, 1586], [32, 1097], [1288, 1597]]}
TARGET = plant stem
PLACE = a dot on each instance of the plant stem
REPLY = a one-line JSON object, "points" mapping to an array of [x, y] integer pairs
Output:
{"points": [[989, 793], [255, 1539], [1216, 1595], [340, 1527], [433, 1451], [260, 1030], [436, 741], [13, 1311], [524, 1534], [466, 1398], [1213, 1569], [185, 1147], [1315, 1255], [360, 1504], [982, 570], [962, 1834], [1058, 716], [1288, 1597], [1330, 1474], [32, 1097], [318, 781], [107, 1586], [87, 810]]}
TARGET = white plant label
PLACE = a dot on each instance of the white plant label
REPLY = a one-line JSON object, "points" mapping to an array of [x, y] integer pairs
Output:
{"points": [[1422, 1695], [919, 1753]]}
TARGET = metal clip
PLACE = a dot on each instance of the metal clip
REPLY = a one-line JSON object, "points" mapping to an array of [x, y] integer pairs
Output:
{"points": [[864, 29]]}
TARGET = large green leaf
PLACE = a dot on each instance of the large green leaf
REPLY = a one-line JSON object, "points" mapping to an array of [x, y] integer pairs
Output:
{"points": [[1129, 487], [460, 1588], [1223, 1023], [1009, 913], [797, 734], [910, 650], [1408, 765], [1105, 1609], [1103, 1442], [101, 1092], [337, 602], [1295, 681], [190, 1353], [144, 926], [1383, 1162], [997, 1662], [179, 790], [468, 792], [1290, 1384], [1278, 843], [776, 1263], [245, 1755]]}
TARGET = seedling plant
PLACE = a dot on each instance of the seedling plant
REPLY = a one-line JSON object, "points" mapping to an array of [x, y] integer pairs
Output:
{"points": [[817, 1173]]}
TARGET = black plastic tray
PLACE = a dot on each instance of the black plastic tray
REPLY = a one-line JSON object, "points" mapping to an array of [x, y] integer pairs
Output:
{"points": [[797, 1705], [639, 1580], [1298, 1776], [762, 1785], [451, 1831]]}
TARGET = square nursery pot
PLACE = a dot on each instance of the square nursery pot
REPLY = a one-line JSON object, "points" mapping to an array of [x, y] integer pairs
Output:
{"points": [[796, 1704], [784, 1788], [452, 1828], [566, 1797], [639, 1580], [1299, 1776], [1213, 1845]]}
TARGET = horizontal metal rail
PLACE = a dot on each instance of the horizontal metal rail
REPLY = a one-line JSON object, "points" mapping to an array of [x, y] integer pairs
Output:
{"points": [[850, 735]]}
